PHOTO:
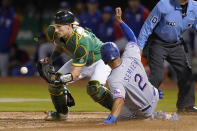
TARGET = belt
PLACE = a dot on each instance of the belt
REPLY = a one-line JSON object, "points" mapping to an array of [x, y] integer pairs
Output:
{"points": [[165, 43]]}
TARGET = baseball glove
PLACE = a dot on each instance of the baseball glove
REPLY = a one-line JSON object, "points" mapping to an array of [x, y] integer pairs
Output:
{"points": [[47, 71]]}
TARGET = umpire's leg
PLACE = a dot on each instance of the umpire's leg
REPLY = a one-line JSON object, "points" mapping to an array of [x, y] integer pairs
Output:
{"points": [[156, 55], [180, 62]]}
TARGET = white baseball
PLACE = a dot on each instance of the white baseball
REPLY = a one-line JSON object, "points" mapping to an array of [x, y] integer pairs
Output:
{"points": [[24, 70]]}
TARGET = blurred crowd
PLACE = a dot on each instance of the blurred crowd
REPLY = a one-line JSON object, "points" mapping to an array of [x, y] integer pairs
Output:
{"points": [[100, 20]]}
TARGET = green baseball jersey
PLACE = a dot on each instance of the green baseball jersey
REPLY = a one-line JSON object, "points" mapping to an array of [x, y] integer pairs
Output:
{"points": [[83, 46]]}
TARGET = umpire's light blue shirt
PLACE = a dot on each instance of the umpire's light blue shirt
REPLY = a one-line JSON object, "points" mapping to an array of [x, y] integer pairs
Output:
{"points": [[167, 22]]}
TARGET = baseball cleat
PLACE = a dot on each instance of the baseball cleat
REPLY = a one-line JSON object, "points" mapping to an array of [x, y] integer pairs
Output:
{"points": [[52, 116], [190, 109]]}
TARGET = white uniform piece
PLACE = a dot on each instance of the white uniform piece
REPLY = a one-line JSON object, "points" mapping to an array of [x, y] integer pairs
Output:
{"points": [[97, 71], [129, 81]]}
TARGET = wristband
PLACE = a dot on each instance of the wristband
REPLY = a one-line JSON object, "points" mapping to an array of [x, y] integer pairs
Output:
{"points": [[66, 78]]}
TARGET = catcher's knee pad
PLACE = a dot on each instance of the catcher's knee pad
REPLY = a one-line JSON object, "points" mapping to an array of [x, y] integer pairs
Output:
{"points": [[61, 98], [100, 94]]}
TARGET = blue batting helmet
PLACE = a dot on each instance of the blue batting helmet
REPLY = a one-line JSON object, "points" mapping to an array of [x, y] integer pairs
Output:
{"points": [[109, 52]]}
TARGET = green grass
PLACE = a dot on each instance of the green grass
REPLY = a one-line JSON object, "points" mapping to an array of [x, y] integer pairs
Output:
{"points": [[82, 100], [168, 103]]}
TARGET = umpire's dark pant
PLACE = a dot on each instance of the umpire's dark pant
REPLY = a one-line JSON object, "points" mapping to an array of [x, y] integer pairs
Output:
{"points": [[175, 54]]}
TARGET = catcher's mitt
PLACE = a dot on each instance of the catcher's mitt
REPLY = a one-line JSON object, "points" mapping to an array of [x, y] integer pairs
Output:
{"points": [[47, 71]]}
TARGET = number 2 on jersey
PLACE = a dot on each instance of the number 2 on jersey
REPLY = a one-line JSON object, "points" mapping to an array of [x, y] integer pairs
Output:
{"points": [[140, 81]]}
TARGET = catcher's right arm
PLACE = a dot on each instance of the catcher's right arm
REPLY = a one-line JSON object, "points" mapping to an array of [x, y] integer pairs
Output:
{"points": [[47, 72]]}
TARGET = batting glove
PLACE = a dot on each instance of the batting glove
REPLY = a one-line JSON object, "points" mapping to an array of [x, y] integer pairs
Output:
{"points": [[160, 94], [111, 119]]}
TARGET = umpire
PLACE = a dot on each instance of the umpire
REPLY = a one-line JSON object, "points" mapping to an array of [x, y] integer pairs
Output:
{"points": [[162, 32]]}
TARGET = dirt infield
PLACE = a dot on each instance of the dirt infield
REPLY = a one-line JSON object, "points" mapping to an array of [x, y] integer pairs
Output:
{"points": [[88, 121]]}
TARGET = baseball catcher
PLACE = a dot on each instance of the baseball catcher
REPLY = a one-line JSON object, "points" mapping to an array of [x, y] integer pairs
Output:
{"points": [[84, 48]]}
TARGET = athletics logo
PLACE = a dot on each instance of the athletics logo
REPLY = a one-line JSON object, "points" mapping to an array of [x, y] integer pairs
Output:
{"points": [[81, 60]]}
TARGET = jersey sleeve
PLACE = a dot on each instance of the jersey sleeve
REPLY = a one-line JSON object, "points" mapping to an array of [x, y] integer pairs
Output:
{"points": [[81, 55], [149, 26], [128, 32], [117, 89]]}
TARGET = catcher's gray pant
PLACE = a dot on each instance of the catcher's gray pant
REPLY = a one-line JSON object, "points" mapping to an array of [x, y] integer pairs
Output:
{"points": [[97, 71], [4, 64], [128, 114]]}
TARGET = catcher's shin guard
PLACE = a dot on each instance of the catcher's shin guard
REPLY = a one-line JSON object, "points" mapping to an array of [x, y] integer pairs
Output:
{"points": [[100, 94], [61, 98]]}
